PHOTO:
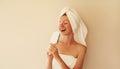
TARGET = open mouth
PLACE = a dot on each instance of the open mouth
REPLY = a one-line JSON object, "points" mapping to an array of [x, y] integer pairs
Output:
{"points": [[62, 30]]}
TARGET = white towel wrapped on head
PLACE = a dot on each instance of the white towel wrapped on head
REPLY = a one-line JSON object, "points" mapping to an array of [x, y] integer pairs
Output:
{"points": [[78, 26]]}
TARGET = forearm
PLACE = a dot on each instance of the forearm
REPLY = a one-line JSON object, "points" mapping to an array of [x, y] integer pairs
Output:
{"points": [[49, 64], [62, 63]]}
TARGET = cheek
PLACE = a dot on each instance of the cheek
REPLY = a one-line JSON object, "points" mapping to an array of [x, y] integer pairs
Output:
{"points": [[59, 27], [70, 28]]}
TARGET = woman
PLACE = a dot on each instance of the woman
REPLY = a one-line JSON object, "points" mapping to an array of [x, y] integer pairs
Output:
{"points": [[69, 51]]}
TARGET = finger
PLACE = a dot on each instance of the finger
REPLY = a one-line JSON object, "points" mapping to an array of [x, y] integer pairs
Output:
{"points": [[52, 50], [52, 44], [53, 47], [48, 53]]}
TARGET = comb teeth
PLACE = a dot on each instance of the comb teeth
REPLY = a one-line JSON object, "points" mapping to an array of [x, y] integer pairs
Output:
{"points": [[55, 37]]}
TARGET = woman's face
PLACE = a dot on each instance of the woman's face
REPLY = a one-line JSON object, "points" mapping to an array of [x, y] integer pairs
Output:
{"points": [[65, 26]]}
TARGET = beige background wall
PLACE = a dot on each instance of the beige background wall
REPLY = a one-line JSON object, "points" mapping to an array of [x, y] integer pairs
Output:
{"points": [[26, 27]]}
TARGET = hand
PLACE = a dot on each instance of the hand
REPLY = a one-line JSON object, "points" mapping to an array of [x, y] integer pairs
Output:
{"points": [[53, 50], [49, 56]]}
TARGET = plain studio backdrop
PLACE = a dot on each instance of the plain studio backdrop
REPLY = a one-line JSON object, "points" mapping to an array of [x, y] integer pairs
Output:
{"points": [[27, 25]]}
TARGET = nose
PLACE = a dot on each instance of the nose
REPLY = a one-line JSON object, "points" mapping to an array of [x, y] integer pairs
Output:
{"points": [[61, 25]]}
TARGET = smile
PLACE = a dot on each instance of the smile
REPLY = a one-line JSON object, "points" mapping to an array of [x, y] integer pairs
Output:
{"points": [[62, 30]]}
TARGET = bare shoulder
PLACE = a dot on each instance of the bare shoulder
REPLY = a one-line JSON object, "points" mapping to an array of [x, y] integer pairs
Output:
{"points": [[81, 49], [80, 46]]}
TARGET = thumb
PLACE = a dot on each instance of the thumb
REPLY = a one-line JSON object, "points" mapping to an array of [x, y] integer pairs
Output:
{"points": [[53, 44]]}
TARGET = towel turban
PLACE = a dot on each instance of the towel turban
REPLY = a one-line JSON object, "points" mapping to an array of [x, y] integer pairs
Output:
{"points": [[78, 26]]}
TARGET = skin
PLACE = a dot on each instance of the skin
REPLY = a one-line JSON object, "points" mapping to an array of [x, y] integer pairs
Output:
{"points": [[67, 45]]}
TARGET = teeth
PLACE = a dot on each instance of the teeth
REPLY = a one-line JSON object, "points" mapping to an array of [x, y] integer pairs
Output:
{"points": [[62, 30]]}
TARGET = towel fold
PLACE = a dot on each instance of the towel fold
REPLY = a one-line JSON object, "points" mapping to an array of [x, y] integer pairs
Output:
{"points": [[68, 59]]}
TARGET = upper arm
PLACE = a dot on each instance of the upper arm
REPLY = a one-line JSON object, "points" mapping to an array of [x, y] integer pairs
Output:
{"points": [[80, 58]]}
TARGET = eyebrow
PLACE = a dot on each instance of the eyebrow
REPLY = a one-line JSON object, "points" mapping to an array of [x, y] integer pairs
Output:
{"points": [[65, 20]]}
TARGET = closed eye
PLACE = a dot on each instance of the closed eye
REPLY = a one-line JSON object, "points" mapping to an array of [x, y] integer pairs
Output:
{"points": [[65, 23]]}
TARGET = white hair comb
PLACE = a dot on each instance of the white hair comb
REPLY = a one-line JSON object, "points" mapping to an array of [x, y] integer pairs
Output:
{"points": [[55, 37]]}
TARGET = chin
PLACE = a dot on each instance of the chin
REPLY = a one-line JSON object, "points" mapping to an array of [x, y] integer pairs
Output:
{"points": [[64, 33]]}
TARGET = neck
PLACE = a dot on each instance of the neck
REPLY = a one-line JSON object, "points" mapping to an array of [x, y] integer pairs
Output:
{"points": [[67, 39]]}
